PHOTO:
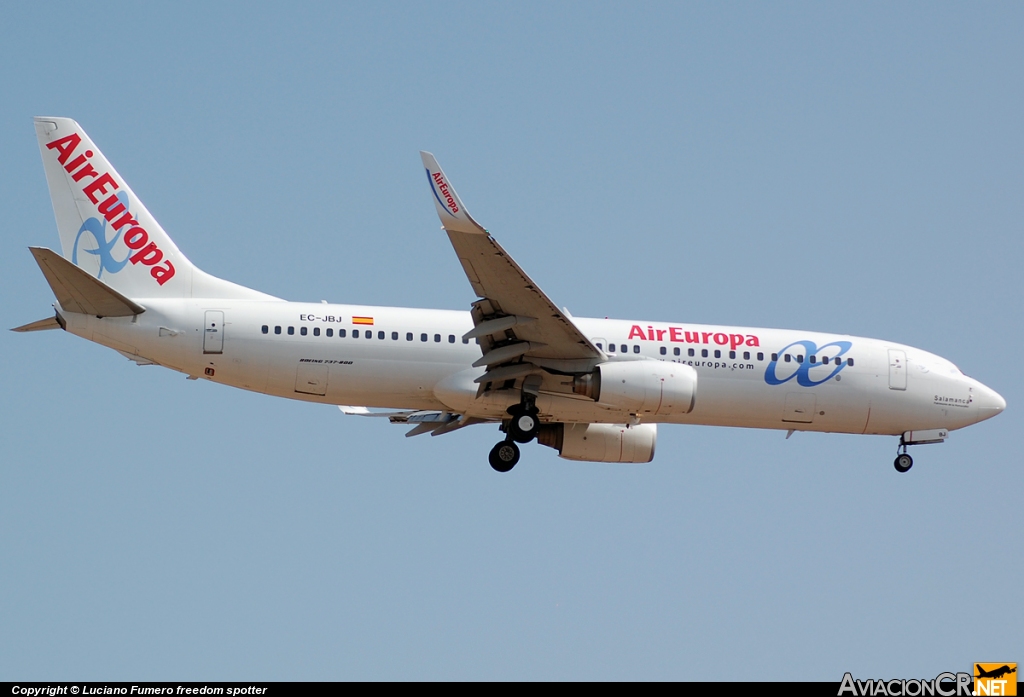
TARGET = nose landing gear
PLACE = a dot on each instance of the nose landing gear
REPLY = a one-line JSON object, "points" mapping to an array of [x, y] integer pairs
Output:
{"points": [[903, 462]]}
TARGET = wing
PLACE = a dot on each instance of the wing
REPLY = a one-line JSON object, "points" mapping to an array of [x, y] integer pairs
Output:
{"points": [[519, 328], [436, 423]]}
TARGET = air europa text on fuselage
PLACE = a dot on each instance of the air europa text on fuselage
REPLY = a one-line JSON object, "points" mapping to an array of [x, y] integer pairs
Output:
{"points": [[678, 334], [98, 185]]}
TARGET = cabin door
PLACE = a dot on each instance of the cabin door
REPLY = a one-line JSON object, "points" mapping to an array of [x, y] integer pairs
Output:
{"points": [[897, 369], [213, 334]]}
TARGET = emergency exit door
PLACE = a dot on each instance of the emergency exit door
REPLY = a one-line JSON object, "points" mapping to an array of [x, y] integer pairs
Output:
{"points": [[213, 334]]}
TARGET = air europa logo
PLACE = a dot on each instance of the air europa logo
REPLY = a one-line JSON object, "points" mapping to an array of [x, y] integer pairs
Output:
{"points": [[680, 335], [114, 210], [442, 192], [801, 365], [98, 229]]}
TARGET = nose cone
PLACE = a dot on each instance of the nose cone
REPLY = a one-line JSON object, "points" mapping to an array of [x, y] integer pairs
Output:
{"points": [[989, 402]]}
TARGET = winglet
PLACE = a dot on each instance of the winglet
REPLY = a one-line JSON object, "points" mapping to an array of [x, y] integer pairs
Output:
{"points": [[453, 214]]}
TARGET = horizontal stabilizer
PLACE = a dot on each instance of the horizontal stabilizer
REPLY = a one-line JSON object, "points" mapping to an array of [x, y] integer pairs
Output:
{"points": [[48, 323], [77, 291]]}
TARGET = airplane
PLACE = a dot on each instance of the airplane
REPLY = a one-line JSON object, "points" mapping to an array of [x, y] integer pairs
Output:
{"points": [[592, 389]]}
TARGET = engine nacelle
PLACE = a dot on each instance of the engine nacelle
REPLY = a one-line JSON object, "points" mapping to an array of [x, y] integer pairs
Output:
{"points": [[641, 387], [601, 442]]}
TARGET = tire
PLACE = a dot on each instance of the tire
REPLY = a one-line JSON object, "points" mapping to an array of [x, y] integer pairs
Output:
{"points": [[523, 427], [903, 462], [504, 456]]}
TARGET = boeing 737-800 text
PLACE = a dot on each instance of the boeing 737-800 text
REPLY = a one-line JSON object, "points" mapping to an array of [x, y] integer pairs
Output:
{"points": [[594, 389]]}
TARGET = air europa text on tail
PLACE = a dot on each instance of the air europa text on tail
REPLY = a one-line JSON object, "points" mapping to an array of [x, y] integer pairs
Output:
{"points": [[100, 188]]}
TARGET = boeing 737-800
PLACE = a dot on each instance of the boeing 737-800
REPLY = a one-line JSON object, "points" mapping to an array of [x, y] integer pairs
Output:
{"points": [[594, 389]]}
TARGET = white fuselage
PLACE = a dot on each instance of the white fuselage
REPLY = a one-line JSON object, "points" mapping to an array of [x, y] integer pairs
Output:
{"points": [[417, 359]]}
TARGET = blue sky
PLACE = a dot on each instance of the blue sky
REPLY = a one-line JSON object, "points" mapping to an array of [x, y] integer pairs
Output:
{"points": [[849, 168]]}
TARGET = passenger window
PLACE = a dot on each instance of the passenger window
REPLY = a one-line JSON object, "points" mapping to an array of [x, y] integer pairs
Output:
{"points": [[663, 350], [303, 331], [330, 332], [775, 356], [675, 351], [437, 338], [368, 333], [423, 337], [624, 348], [849, 362], [746, 355], [355, 333], [636, 348], [732, 354], [814, 359], [691, 353], [824, 360], [266, 329], [342, 333], [760, 356], [451, 338], [611, 348], [704, 353], [718, 354], [799, 358], [408, 336], [788, 358], [291, 331], [380, 335], [277, 330], [600, 347], [465, 340], [316, 331]]}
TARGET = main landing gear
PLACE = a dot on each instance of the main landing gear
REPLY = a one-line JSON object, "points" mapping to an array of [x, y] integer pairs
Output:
{"points": [[521, 428]]}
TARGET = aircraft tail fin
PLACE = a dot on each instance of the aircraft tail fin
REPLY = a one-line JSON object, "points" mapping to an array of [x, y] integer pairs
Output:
{"points": [[104, 228], [77, 291]]}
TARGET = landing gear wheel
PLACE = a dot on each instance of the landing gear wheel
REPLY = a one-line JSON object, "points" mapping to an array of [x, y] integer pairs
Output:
{"points": [[504, 456], [903, 462], [523, 427]]}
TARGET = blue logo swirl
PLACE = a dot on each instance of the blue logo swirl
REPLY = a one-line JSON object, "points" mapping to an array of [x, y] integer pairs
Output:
{"points": [[803, 370], [98, 229]]}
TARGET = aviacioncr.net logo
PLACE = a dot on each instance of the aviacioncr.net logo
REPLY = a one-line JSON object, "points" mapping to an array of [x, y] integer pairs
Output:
{"points": [[97, 229], [827, 363]]}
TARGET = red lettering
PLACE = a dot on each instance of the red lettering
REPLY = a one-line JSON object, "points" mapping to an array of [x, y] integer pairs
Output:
{"points": [[752, 340], [77, 162], [705, 335], [693, 338], [148, 255], [673, 334], [636, 333], [107, 208], [125, 219], [661, 335], [136, 238], [100, 186], [735, 340], [162, 274], [65, 146], [721, 341], [86, 171]]}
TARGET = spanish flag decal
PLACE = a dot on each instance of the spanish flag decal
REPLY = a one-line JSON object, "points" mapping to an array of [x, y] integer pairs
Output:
{"points": [[362, 320]]}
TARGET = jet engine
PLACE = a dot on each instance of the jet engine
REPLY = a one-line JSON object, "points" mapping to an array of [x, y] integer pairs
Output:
{"points": [[641, 387], [601, 442]]}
